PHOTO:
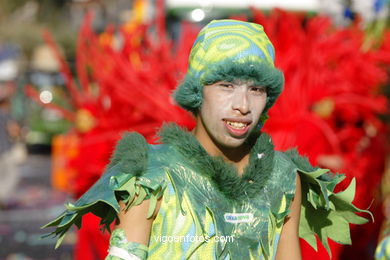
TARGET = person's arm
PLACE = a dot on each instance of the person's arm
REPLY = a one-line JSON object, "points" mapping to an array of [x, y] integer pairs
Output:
{"points": [[134, 222], [288, 247], [130, 238]]}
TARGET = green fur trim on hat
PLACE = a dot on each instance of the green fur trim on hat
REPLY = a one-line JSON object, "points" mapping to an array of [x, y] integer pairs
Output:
{"points": [[189, 94], [227, 50]]}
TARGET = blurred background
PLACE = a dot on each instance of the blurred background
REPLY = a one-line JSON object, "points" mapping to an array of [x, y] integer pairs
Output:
{"points": [[74, 74]]}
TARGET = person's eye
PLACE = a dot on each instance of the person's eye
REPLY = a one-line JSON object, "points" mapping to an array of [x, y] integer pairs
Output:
{"points": [[226, 85], [258, 90]]}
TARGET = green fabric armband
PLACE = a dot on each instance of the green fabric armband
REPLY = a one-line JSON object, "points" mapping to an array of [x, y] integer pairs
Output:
{"points": [[119, 242]]}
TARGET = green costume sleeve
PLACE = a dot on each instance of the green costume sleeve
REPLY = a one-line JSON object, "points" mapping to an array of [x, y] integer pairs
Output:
{"points": [[323, 212], [123, 180]]}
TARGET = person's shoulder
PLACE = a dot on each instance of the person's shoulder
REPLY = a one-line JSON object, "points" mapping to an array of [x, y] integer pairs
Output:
{"points": [[130, 154], [134, 156], [283, 174], [292, 158], [287, 165]]}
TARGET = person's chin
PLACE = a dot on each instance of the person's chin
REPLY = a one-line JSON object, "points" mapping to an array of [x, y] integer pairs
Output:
{"points": [[233, 142]]}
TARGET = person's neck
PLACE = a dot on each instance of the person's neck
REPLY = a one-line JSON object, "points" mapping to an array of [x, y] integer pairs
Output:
{"points": [[238, 156]]}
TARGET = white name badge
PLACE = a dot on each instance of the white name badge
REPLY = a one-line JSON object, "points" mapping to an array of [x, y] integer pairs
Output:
{"points": [[238, 217]]}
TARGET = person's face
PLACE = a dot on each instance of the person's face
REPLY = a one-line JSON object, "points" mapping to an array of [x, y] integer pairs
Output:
{"points": [[230, 111]]}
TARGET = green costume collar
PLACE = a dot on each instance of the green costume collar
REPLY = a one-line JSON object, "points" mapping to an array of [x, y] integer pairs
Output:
{"points": [[224, 175]]}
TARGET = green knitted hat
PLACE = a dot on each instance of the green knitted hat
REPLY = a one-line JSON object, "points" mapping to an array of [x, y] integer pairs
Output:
{"points": [[228, 50]]}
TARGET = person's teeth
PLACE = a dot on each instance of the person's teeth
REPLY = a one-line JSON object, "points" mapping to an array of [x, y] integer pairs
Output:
{"points": [[237, 124]]}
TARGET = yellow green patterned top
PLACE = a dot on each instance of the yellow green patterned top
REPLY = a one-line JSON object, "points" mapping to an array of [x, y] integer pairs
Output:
{"points": [[178, 239], [382, 251]]}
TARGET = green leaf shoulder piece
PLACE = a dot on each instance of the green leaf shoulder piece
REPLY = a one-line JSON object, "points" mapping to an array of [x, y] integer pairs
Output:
{"points": [[325, 213], [126, 178]]}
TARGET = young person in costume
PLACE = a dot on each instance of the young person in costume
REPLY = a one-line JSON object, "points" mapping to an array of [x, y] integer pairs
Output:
{"points": [[220, 191]]}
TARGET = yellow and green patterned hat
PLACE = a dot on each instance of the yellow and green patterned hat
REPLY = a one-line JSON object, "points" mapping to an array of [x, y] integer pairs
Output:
{"points": [[228, 50]]}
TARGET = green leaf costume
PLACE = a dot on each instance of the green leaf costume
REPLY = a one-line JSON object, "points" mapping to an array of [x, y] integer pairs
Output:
{"points": [[207, 211]]}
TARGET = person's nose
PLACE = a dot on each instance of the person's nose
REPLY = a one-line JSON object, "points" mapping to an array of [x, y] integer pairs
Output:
{"points": [[241, 101]]}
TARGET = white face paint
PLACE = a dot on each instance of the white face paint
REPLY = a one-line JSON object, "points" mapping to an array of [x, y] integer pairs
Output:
{"points": [[229, 113]]}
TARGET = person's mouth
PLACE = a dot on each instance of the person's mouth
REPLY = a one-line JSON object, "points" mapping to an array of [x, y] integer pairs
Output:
{"points": [[236, 126]]}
